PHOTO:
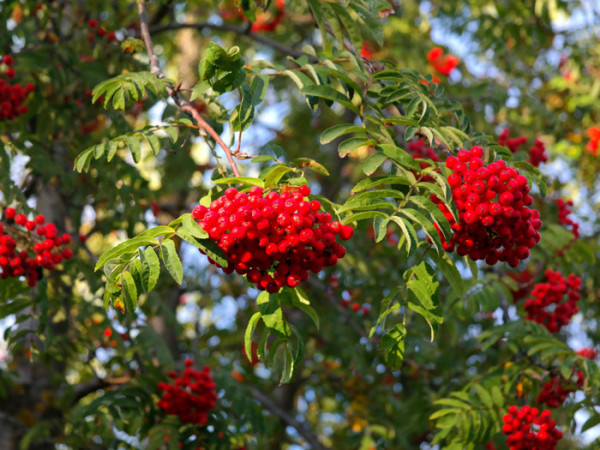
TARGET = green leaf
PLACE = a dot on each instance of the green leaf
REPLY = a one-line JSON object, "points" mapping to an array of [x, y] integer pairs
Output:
{"points": [[271, 314], [192, 227], [369, 183], [222, 69], [484, 395], [248, 334], [385, 311], [273, 174], [240, 180], [262, 345], [328, 93], [393, 345], [300, 300], [150, 268], [125, 247], [445, 264], [373, 162], [423, 286], [592, 422], [171, 260], [83, 160], [311, 164], [13, 307], [336, 131], [208, 246], [288, 366], [243, 114], [364, 215], [352, 144], [400, 156], [129, 291]]}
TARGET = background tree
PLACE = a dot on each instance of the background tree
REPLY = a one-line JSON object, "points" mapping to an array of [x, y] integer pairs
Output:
{"points": [[119, 118]]}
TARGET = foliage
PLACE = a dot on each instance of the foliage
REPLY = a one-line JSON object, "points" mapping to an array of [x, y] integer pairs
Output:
{"points": [[401, 344]]}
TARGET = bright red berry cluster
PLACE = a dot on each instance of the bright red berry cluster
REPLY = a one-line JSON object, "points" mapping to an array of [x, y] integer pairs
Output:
{"points": [[17, 233], [588, 353], [12, 96], [555, 391], [528, 429], [192, 395], [513, 144], [537, 152], [100, 31], [548, 305], [594, 144], [564, 210], [442, 64], [495, 222], [273, 239]]}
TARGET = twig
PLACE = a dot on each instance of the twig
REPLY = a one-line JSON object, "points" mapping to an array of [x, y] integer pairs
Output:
{"points": [[275, 409], [182, 103]]}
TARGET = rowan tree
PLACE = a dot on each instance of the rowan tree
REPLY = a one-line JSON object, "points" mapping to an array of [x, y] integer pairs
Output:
{"points": [[299, 224]]}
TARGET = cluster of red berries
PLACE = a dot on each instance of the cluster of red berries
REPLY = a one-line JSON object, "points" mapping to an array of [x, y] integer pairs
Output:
{"points": [[588, 353], [442, 64], [564, 210], [513, 144], [537, 152], [274, 240], [16, 260], [528, 429], [192, 395], [100, 31], [554, 391], [551, 294], [495, 222], [12, 96]]}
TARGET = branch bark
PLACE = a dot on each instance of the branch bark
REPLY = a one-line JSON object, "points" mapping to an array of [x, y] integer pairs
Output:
{"points": [[275, 409], [181, 103]]}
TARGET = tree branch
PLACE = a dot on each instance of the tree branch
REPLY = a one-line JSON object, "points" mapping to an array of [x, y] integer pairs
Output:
{"points": [[275, 409], [181, 103], [275, 45]]}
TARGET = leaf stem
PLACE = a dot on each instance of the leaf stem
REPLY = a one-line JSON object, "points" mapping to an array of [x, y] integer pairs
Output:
{"points": [[182, 103]]}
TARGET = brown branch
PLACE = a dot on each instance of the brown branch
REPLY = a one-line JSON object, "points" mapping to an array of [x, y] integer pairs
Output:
{"points": [[182, 103], [275, 409], [275, 45]]}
